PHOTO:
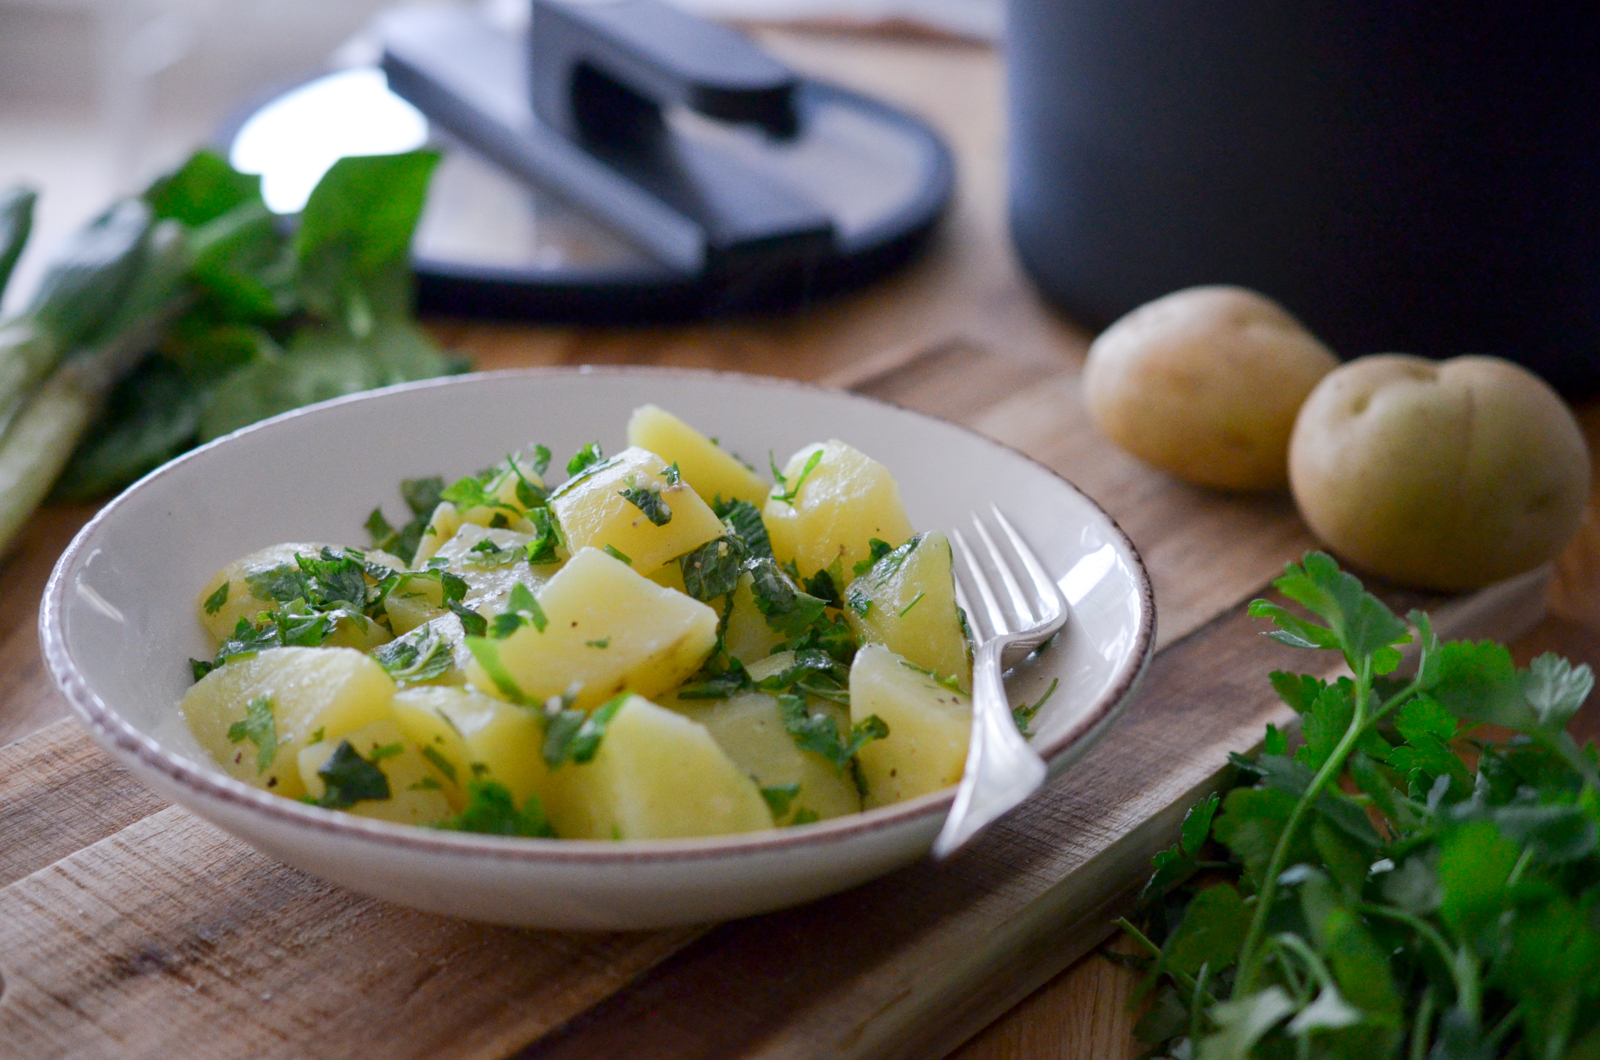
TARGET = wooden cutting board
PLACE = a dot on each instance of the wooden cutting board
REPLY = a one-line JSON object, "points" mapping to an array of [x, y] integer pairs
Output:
{"points": [[130, 928]]}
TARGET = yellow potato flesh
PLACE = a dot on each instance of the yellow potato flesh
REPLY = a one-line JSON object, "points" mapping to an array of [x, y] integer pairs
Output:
{"points": [[712, 472], [594, 514], [847, 500], [414, 794], [750, 730], [489, 578], [322, 692], [748, 637], [910, 608], [608, 630], [656, 775], [929, 727], [464, 728]]}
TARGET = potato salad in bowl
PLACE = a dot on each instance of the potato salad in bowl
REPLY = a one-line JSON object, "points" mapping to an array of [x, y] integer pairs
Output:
{"points": [[528, 647], [662, 645]]}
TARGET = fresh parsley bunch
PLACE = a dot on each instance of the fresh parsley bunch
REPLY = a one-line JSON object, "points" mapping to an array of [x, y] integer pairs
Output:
{"points": [[1419, 878], [190, 310]]}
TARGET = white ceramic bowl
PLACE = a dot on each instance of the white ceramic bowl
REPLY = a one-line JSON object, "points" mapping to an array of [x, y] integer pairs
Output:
{"points": [[118, 626]]}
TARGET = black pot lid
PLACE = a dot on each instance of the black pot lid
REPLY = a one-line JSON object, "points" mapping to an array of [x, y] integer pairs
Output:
{"points": [[811, 189]]}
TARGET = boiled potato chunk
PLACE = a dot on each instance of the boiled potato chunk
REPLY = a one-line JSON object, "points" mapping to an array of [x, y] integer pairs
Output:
{"points": [[491, 562], [929, 726], [442, 526], [223, 614], [748, 636], [463, 733], [656, 775], [594, 513], [712, 472], [416, 599], [321, 692], [608, 630], [750, 730], [846, 499], [414, 794], [907, 603]]}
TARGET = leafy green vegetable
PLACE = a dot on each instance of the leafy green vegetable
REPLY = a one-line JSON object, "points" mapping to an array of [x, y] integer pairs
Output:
{"points": [[713, 569], [260, 727], [547, 537], [743, 521], [215, 601], [648, 500], [197, 312], [783, 491], [348, 779], [618, 554], [490, 810], [779, 797], [571, 735], [585, 458], [16, 221], [419, 655], [1406, 882]]}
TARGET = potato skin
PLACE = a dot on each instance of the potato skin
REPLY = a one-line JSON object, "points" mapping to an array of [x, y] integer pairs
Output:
{"points": [[1204, 383], [1442, 475]]}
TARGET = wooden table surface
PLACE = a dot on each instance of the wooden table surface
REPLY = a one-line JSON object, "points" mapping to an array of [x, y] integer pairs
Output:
{"points": [[968, 288]]}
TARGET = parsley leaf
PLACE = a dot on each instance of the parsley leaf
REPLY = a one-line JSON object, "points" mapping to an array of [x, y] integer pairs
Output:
{"points": [[523, 610], [785, 607], [348, 779], [584, 459], [420, 655], [648, 501], [260, 728], [546, 537], [490, 810], [215, 601], [473, 623], [778, 798], [784, 491], [743, 521], [713, 569], [571, 735]]}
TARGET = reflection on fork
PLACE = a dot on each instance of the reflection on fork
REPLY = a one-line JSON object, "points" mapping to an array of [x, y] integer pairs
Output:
{"points": [[1001, 769]]}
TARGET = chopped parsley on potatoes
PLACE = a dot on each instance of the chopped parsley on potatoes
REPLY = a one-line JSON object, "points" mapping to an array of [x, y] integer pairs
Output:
{"points": [[662, 645]]}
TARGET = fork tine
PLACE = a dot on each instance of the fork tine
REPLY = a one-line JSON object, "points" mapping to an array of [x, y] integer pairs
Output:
{"points": [[1048, 590], [1025, 615], [995, 616]]}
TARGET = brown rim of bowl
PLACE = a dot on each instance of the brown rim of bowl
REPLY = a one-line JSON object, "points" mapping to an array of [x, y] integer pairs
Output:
{"points": [[114, 733]]}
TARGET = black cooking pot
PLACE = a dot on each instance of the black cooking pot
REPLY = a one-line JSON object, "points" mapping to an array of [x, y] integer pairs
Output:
{"points": [[1405, 176]]}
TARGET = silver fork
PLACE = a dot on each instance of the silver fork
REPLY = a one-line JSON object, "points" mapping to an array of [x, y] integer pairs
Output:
{"points": [[1001, 768]]}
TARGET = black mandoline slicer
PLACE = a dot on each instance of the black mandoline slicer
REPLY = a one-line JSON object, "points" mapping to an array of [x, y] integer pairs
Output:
{"points": [[646, 165]]}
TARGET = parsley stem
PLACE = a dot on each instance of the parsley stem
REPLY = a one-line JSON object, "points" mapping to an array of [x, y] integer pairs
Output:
{"points": [[1183, 979], [1463, 971], [1249, 953], [1420, 1026]]}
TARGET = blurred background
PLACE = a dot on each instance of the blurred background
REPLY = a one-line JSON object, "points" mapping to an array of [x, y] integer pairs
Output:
{"points": [[98, 96]]}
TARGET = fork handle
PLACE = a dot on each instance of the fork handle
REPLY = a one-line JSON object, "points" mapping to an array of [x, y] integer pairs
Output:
{"points": [[1001, 769]]}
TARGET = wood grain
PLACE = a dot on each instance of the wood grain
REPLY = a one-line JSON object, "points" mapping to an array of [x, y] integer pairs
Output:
{"points": [[170, 932]]}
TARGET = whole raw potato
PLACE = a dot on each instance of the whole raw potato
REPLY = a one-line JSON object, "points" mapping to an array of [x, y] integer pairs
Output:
{"points": [[1205, 383], [1444, 475]]}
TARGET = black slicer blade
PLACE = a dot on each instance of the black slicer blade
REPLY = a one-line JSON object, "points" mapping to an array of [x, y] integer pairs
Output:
{"points": [[622, 161]]}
